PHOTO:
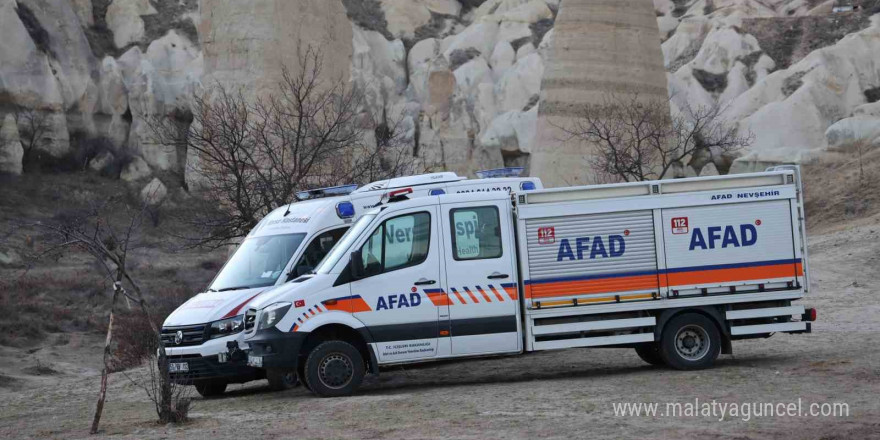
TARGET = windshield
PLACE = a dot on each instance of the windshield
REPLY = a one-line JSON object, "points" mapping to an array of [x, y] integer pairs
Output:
{"points": [[258, 262], [344, 243]]}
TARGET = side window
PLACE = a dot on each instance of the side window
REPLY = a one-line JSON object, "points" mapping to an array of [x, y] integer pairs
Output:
{"points": [[476, 233], [399, 242], [315, 252]]}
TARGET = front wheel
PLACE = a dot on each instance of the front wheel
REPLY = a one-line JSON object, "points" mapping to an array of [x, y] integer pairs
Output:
{"points": [[210, 388], [334, 368], [690, 342], [280, 380]]}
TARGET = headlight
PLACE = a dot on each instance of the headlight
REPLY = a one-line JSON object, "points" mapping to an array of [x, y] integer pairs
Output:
{"points": [[226, 327], [272, 315]]}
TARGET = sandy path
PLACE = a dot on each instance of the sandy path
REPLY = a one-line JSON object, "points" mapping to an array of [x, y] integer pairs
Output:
{"points": [[563, 394]]}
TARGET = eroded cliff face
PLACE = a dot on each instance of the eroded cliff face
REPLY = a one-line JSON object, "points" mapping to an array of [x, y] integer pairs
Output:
{"points": [[470, 79], [246, 43], [90, 71], [599, 46]]}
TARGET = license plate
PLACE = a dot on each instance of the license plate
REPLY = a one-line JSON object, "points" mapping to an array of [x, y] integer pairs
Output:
{"points": [[178, 367], [255, 361]]}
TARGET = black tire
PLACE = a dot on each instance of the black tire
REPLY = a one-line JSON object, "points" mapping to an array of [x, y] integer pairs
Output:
{"points": [[690, 342], [334, 368], [210, 388], [301, 373], [280, 380], [650, 353]]}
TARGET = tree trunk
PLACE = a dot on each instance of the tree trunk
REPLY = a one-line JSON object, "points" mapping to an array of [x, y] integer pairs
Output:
{"points": [[99, 408], [165, 391]]}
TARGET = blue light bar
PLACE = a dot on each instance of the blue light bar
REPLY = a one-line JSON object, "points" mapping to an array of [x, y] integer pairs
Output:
{"points": [[527, 186], [345, 209], [317, 193], [500, 172], [436, 192]]}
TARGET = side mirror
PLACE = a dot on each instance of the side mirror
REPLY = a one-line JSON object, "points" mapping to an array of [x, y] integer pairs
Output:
{"points": [[356, 265]]}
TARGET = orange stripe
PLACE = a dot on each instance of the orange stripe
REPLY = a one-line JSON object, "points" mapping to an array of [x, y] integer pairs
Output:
{"points": [[500, 298], [439, 298], [728, 275], [648, 282], [586, 287], [359, 305], [458, 296], [484, 294], [295, 327], [471, 295], [512, 292]]}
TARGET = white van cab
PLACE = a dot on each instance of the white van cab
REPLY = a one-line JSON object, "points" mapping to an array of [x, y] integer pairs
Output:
{"points": [[203, 337]]}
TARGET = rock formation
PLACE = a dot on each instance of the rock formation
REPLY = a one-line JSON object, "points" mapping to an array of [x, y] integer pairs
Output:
{"points": [[476, 83], [246, 43], [599, 47], [11, 152]]}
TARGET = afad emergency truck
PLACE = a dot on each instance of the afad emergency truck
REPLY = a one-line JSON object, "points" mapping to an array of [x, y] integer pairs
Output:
{"points": [[202, 336], [677, 269]]}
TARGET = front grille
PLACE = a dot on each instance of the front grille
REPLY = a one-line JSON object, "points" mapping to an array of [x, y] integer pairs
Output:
{"points": [[250, 318], [206, 368], [192, 335]]}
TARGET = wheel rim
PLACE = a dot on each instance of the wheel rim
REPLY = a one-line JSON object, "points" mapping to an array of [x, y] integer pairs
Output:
{"points": [[692, 342], [335, 370]]}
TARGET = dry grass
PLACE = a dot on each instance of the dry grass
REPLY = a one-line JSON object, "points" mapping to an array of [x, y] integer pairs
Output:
{"points": [[68, 293], [840, 187]]}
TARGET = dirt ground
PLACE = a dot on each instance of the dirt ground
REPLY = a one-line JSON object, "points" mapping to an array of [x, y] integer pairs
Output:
{"points": [[50, 391]]}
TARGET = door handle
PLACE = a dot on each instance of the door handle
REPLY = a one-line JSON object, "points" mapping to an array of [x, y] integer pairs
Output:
{"points": [[498, 276], [424, 282]]}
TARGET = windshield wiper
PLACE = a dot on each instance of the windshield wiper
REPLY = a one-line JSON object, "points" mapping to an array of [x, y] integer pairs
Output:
{"points": [[227, 289]]}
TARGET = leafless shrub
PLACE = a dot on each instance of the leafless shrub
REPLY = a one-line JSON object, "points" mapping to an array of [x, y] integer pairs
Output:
{"points": [[637, 139], [97, 229], [171, 400], [254, 155], [33, 126]]}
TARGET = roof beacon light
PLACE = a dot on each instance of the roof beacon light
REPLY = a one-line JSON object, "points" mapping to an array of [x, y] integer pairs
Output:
{"points": [[500, 172], [345, 209], [318, 193], [436, 192], [396, 195], [527, 186]]}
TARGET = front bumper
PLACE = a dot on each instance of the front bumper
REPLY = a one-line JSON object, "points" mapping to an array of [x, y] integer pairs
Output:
{"points": [[210, 367], [276, 348]]}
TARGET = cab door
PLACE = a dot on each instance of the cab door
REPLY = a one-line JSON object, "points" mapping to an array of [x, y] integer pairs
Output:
{"points": [[481, 283], [401, 260]]}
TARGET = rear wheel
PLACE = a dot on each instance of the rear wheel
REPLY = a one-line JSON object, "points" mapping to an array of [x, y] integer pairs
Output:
{"points": [[690, 342], [210, 388], [334, 368], [650, 353], [280, 380]]}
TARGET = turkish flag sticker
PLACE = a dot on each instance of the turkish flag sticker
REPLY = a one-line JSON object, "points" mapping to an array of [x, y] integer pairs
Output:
{"points": [[547, 235]]}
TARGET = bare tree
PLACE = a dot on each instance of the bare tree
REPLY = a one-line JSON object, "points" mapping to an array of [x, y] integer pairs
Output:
{"points": [[33, 125], [253, 156], [108, 231], [637, 139]]}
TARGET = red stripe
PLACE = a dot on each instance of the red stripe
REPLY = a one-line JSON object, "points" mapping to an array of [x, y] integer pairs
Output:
{"points": [[234, 311]]}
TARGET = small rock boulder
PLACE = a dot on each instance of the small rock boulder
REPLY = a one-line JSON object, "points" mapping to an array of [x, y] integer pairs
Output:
{"points": [[137, 169], [101, 162], [154, 193], [848, 131], [11, 152]]}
